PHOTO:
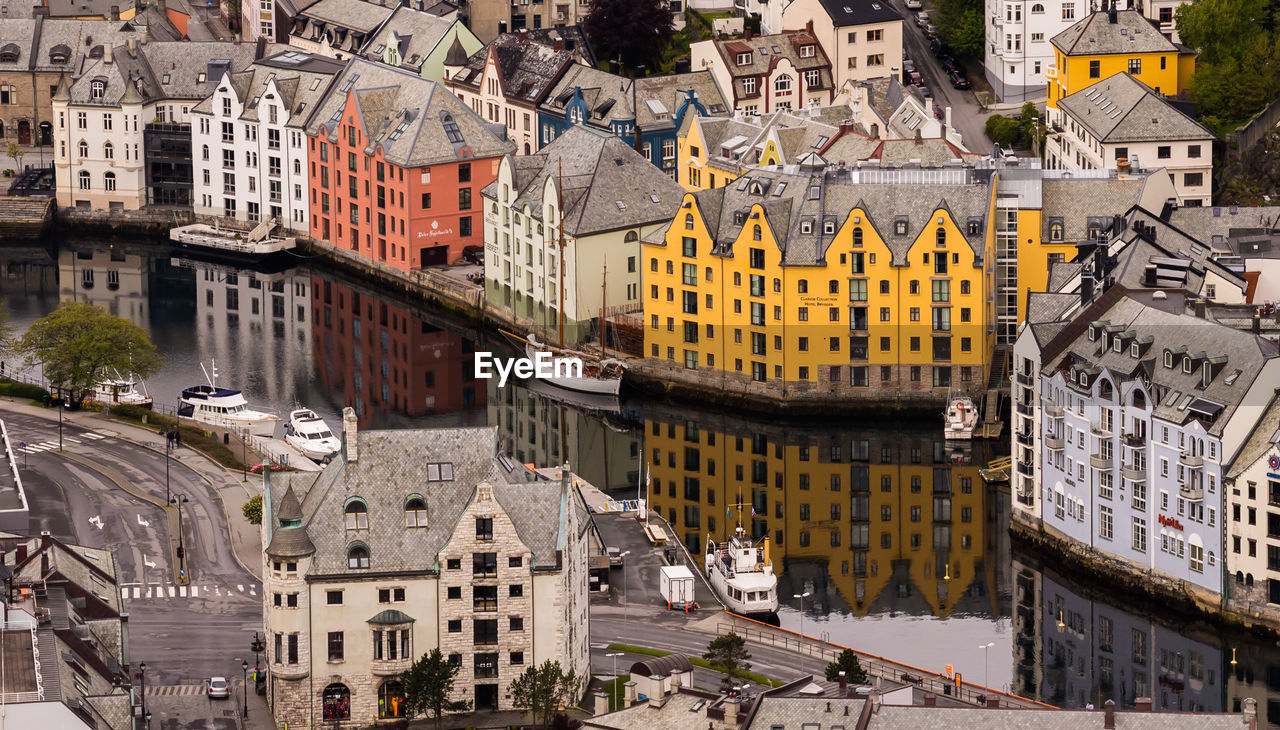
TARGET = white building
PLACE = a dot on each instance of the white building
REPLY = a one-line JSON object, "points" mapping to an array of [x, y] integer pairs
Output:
{"points": [[1018, 51], [1119, 123], [121, 128], [1125, 413], [413, 541], [1253, 534], [611, 199], [248, 145]]}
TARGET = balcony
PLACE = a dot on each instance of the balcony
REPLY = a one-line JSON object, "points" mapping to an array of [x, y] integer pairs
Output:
{"points": [[1191, 493], [1133, 473], [1025, 410], [1099, 431], [1022, 378], [1054, 443], [1054, 411], [1024, 438], [1135, 440], [1189, 461], [390, 667], [1101, 461], [1026, 469], [1051, 72]]}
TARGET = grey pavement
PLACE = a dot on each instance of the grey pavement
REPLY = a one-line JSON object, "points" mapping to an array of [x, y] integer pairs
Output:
{"points": [[638, 578]]}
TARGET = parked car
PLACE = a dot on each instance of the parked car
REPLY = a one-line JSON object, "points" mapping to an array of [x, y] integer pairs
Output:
{"points": [[913, 4], [473, 255], [937, 112], [931, 30], [949, 64], [938, 49], [922, 18], [908, 66], [917, 80], [217, 688], [615, 556], [958, 80]]}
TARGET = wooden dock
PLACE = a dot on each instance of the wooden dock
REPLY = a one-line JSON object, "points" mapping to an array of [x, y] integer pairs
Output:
{"points": [[22, 217]]}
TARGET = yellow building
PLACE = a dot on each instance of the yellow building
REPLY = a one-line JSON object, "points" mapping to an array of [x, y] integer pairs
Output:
{"points": [[714, 151], [834, 281], [882, 517], [1110, 42]]}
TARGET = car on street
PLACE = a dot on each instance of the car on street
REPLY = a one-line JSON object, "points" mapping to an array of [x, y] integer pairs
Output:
{"points": [[615, 556], [916, 79], [908, 66], [473, 255], [931, 30], [913, 4], [959, 81], [948, 63], [217, 688], [922, 18]]}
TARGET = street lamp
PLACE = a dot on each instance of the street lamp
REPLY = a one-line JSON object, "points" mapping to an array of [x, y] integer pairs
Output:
{"points": [[622, 557], [61, 403], [244, 459], [142, 678], [615, 656], [801, 596], [244, 667], [182, 553], [985, 653], [168, 448]]}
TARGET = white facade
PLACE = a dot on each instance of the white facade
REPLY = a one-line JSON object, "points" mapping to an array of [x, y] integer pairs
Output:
{"points": [[1018, 51], [250, 167], [98, 154], [1253, 534], [1188, 161], [257, 20]]}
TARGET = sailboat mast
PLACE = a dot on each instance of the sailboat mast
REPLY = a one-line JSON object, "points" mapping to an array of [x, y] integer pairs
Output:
{"points": [[560, 214], [604, 278]]}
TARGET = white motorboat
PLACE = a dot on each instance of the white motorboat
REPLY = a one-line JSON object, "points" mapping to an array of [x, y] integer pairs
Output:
{"points": [[960, 420], [121, 391], [224, 408], [741, 573], [308, 433]]}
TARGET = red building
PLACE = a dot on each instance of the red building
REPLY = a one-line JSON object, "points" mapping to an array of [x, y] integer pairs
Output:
{"points": [[396, 165], [386, 361]]}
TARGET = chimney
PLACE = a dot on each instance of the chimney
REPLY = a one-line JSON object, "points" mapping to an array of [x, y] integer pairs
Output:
{"points": [[1111, 13], [1149, 276], [1086, 289], [46, 539], [629, 693], [115, 12], [1200, 308], [1109, 715], [1142, 704], [599, 703], [1250, 713], [844, 684], [919, 140], [133, 47], [676, 676], [349, 434], [731, 704], [930, 699], [557, 43], [1257, 324], [107, 53], [260, 49], [523, 35], [746, 33], [20, 554], [993, 702], [808, 25]]}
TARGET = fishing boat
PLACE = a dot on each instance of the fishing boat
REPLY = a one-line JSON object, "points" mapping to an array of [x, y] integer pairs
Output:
{"points": [[223, 407], [741, 573], [960, 419], [121, 391], [308, 433], [578, 371]]}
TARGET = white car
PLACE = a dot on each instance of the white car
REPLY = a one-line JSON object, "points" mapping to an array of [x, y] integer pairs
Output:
{"points": [[922, 19], [913, 4], [217, 687]]}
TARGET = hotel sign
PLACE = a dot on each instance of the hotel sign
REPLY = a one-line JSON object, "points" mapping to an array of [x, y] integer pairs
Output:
{"points": [[1169, 522], [435, 231]]}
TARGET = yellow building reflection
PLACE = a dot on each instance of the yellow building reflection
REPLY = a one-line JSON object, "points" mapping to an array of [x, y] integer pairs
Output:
{"points": [[894, 519]]}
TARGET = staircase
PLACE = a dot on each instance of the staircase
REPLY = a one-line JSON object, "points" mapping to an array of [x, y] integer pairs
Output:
{"points": [[997, 385]]}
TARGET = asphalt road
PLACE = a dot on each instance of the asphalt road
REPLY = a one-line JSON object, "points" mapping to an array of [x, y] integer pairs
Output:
{"points": [[183, 633]]}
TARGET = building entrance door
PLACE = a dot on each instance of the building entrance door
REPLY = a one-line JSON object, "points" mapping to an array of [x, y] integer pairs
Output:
{"points": [[486, 697], [435, 256], [24, 132]]}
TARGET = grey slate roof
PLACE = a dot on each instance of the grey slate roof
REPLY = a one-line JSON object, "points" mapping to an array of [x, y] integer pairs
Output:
{"points": [[529, 69], [1050, 306], [1260, 442], [597, 173], [73, 37], [766, 51], [1095, 34], [302, 80], [1122, 109], [161, 70], [387, 98], [1077, 202], [393, 465], [16, 38], [670, 91], [417, 34], [859, 12], [1206, 222], [811, 713], [890, 717], [350, 22], [608, 96]]}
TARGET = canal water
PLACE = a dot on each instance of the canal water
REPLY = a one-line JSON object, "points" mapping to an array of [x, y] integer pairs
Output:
{"points": [[888, 541]]}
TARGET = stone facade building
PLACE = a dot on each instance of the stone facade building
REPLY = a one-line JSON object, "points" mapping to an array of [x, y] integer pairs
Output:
{"points": [[381, 558]]}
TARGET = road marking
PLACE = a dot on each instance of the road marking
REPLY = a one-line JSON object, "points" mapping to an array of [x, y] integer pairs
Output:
{"points": [[195, 591], [182, 591], [74, 441], [240, 588], [253, 590], [171, 591], [49, 444], [144, 523], [93, 436]]}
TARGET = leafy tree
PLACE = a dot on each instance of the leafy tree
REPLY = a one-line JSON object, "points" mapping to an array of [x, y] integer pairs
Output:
{"points": [[15, 152], [427, 686], [542, 689], [253, 510], [960, 25], [729, 652], [634, 30], [1238, 66], [1004, 131], [81, 344], [848, 663]]}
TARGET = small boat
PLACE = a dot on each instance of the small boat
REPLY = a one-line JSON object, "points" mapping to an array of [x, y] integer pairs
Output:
{"points": [[592, 402], [573, 370], [224, 408], [960, 419], [121, 391], [741, 574], [308, 433], [231, 243]]}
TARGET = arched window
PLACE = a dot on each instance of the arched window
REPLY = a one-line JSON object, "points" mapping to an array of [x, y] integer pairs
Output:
{"points": [[358, 557], [941, 236], [83, 147], [756, 233], [109, 182], [1055, 231], [782, 84], [415, 512], [1168, 359], [390, 699], [688, 221], [1105, 390], [631, 237], [97, 89], [336, 702], [84, 180], [857, 237], [357, 514], [109, 151], [1139, 399], [1037, 9], [204, 152]]}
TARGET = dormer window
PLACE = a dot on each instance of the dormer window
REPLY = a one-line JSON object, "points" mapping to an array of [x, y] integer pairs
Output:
{"points": [[829, 227], [415, 512], [357, 514], [1206, 374], [1084, 378], [807, 51], [744, 59], [974, 228], [358, 557], [1093, 334], [1055, 230], [1135, 351], [900, 228], [1186, 364], [806, 226], [98, 89], [1117, 345]]}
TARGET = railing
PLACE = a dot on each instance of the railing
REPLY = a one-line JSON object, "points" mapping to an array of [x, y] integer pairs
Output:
{"points": [[1054, 443], [1192, 493], [1194, 462], [1100, 461]]}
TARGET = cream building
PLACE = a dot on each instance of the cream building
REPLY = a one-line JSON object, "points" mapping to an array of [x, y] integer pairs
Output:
{"points": [[116, 279], [762, 74], [863, 39], [1120, 123], [381, 558]]}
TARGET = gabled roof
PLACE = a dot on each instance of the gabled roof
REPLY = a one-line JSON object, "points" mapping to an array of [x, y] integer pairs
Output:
{"points": [[845, 13], [301, 79], [161, 70], [528, 69], [763, 52], [1122, 109], [671, 92], [415, 33], [607, 96], [1130, 33]]}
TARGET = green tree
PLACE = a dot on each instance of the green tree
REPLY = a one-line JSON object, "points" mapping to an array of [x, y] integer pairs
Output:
{"points": [[253, 510], [542, 689], [1238, 61], [633, 30], [960, 25], [427, 686], [848, 663], [729, 653], [80, 344], [15, 152], [1004, 131]]}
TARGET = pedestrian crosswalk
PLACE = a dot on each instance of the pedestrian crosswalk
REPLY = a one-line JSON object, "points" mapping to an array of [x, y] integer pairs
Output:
{"points": [[170, 690], [141, 591], [52, 444]]}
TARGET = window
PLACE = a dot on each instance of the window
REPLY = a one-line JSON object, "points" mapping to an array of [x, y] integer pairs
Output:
{"points": [[484, 599], [1135, 65], [1095, 67], [357, 515], [333, 598], [335, 646], [1068, 11], [484, 565], [390, 595], [1164, 152], [1139, 534], [485, 632], [1193, 151], [415, 513], [515, 623], [358, 558], [782, 84], [484, 528], [336, 700], [875, 35], [749, 86], [876, 59], [1193, 180]]}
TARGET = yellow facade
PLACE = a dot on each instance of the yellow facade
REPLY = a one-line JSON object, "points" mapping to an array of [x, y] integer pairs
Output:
{"points": [[860, 507], [692, 156], [854, 322], [1168, 73], [1034, 256]]}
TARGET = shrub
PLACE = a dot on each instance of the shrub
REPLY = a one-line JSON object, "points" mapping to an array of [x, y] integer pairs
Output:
{"points": [[1004, 131], [14, 389]]}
